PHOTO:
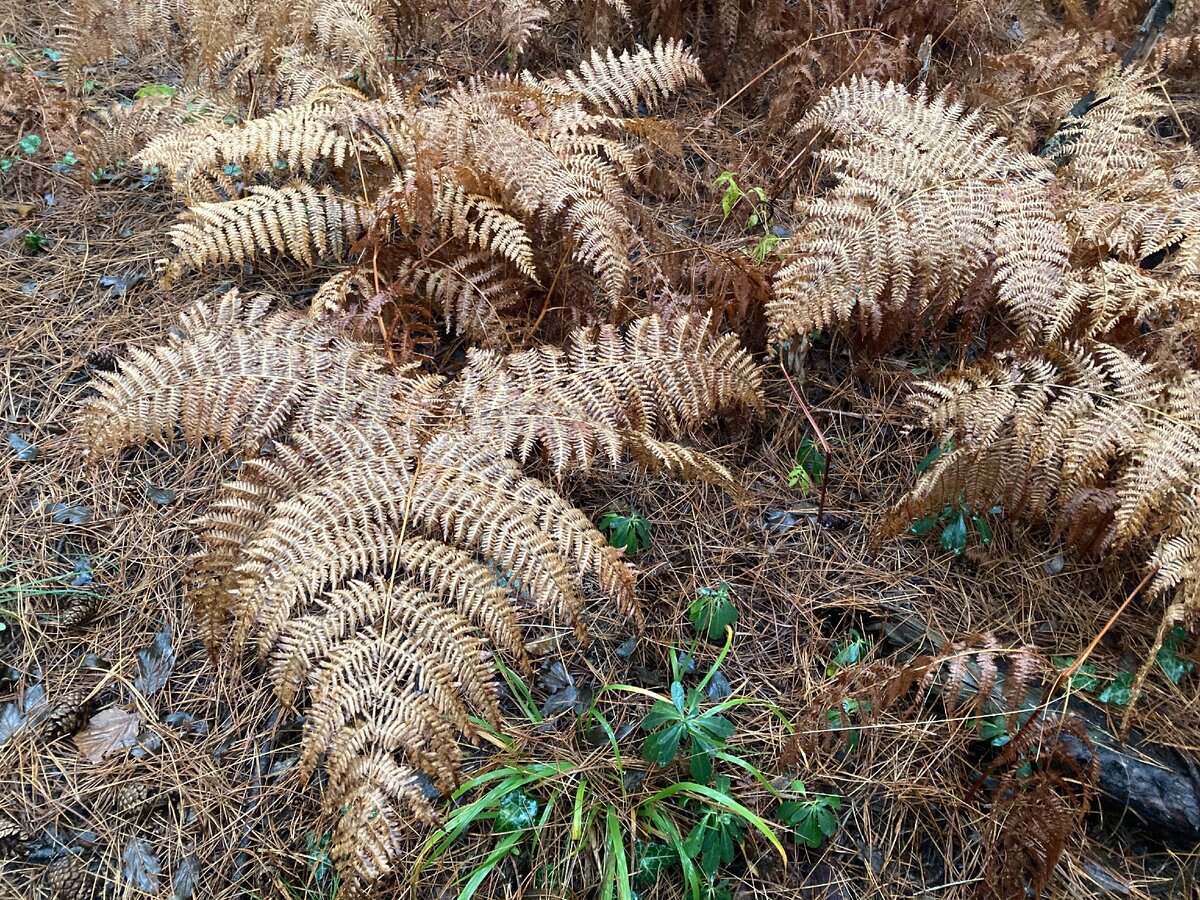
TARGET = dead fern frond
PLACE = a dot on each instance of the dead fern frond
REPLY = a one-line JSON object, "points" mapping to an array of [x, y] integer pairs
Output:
{"points": [[389, 539], [1103, 444], [925, 194], [238, 375], [619, 83], [1043, 794], [297, 221], [559, 404]]}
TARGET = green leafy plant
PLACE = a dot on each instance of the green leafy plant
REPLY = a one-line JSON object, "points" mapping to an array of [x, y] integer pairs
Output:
{"points": [[713, 839], [629, 532], [851, 652], [681, 725], [155, 90], [1174, 666], [813, 819], [518, 800], [1120, 691], [712, 611], [35, 241], [957, 523], [809, 470], [30, 143], [760, 218]]}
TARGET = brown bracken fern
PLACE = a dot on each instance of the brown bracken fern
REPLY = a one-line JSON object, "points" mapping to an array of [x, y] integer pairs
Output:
{"points": [[478, 205], [391, 540], [930, 209]]}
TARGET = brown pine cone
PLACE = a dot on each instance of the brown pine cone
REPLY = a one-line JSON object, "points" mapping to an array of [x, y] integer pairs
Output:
{"points": [[104, 359], [134, 797], [67, 716], [10, 830], [70, 878], [79, 611]]}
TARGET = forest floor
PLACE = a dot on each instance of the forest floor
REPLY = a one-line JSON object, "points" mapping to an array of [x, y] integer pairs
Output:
{"points": [[203, 790]]}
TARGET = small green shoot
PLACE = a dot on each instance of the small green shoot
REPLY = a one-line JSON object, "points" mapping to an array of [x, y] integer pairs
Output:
{"points": [[809, 470], [629, 532], [712, 611], [850, 652], [760, 212], [35, 241]]}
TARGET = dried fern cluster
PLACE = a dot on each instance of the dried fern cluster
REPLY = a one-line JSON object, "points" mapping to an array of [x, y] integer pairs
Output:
{"points": [[1075, 276], [390, 538], [473, 207]]}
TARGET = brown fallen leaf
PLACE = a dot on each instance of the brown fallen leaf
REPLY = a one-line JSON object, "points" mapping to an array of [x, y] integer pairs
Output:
{"points": [[107, 732]]}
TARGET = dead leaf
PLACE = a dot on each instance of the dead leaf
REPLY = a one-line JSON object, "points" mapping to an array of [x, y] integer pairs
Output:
{"points": [[155, 664], [107, 732]]}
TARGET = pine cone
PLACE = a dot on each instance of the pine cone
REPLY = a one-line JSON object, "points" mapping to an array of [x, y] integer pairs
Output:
{"points": [[67, 716], [133, 797], [10, 830], [69, 877], [79, 611], [104, 359]]}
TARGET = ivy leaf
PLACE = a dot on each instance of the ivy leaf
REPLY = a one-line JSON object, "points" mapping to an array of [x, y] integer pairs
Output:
{"points": [[1174, 666], [850, 653], [1084, 678], [984, 529], [516, 811], [653, 858], [1120, 692]]}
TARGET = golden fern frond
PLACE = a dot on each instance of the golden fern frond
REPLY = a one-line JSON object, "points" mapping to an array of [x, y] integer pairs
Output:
{"points": [[239, 376], [571, 531], [1110, 139], [367, 799], [573, 405], [1101, 443], [1131, 194], [297, 220], [517, 21], [1176, 562], [924, 194], [482, 225], [470, 291], [355, 33], [345, 612], [295, 140], [618, 83], [390, 539]]}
